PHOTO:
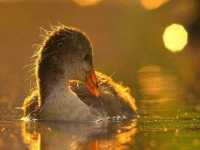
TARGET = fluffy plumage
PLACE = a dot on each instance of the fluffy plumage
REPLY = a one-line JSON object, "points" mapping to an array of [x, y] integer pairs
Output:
{"points": [[62, 65]]}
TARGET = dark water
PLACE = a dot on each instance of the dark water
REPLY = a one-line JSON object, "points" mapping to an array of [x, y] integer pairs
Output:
{"points": [[142, 133], [127, 41]]}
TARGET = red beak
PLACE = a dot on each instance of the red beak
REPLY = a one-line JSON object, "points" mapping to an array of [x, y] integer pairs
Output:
{"points": [[91, 82]]}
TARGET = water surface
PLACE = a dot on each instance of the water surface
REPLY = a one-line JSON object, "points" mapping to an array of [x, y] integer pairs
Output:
{"points": [[141, 133]]}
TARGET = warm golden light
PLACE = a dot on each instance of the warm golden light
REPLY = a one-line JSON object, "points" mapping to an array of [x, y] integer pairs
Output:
{"points": [[152, 4], [86, 2], [33, 140], [175, 37]]}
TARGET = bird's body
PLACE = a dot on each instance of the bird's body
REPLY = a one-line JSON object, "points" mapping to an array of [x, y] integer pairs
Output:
{"points": [[65, 61]]}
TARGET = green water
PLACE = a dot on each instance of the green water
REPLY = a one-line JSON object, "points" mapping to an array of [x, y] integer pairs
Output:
{"points": [[141, 133]]}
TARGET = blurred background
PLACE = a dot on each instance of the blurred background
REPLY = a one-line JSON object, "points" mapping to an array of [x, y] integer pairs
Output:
{"points": [[152, 46]]}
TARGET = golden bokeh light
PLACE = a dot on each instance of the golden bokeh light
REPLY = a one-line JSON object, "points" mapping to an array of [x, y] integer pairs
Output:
{"points": [[152, 4], [86, 2], [175, 37]]}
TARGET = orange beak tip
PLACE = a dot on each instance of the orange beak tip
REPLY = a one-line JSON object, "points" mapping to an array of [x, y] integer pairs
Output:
{"points": [[91, 82], [97, 93]]}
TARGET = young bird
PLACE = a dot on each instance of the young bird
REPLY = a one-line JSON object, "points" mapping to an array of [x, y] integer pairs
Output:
{"points": [[68, 88]]}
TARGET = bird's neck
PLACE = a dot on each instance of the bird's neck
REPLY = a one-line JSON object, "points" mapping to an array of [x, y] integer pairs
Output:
{"points": [[56, 100], [52, 81]]}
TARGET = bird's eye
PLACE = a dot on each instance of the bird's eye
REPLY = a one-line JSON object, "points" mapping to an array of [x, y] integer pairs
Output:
{"points": [[86, 57]]}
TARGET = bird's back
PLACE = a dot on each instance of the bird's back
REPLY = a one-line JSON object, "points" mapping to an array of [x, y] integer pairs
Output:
{"points": [[114, 99]]}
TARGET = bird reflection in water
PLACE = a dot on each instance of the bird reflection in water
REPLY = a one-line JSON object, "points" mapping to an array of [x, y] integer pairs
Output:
{"points": [[89, 135]]}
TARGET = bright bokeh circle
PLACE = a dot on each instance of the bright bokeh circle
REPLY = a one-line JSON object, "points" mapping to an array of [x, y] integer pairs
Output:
{"points": [[175, 37]]}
